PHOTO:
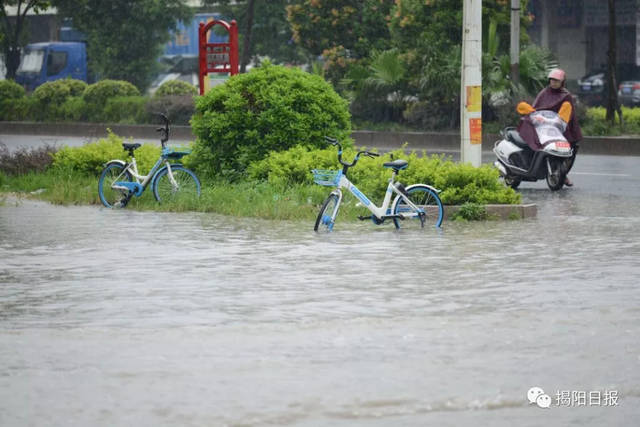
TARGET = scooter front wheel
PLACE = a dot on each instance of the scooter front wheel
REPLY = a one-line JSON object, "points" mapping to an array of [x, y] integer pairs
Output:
{"points": [[555, 174]]}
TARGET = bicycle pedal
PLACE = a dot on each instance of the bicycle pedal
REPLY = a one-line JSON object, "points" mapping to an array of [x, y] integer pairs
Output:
{"points": [[364, 218]]}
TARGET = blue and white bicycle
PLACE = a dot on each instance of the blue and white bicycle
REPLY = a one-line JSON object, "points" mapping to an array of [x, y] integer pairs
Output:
{"points": [[413, 206], [169, 180]]}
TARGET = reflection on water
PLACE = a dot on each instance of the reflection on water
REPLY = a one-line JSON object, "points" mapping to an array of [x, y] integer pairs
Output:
{"points": [[141, 318]]}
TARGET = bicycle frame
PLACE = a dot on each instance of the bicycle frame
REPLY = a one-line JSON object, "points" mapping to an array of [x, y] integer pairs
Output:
{"points": [[143, 181], [381, 212]]}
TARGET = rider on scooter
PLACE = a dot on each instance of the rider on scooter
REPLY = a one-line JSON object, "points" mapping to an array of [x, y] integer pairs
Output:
{"points": [[552, 98]]}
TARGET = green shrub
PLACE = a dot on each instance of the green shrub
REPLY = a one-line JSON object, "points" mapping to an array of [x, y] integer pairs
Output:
{"points": [[470, 212], [459, 183], [73, 109], [12, 101], [178, 108], [50, 97], [97, 94], [270, 108], [176, 87], [11, 90], [91, 158], [596, 124], [126, 109], [16, 109]]}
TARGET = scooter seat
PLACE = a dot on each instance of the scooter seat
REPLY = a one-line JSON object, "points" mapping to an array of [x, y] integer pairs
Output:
{"points": [[514, 136]]}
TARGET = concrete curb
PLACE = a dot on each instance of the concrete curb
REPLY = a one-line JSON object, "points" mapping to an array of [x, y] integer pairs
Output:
{"points": [[429, 141], [502, 212]]}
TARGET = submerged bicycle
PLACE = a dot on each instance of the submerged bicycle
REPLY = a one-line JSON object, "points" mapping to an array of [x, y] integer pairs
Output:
{"points": [[414, 205], [168, 180]]}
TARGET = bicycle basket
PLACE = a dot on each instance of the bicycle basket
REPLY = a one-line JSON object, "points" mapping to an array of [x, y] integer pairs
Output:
{"points": [[329, 178], [175, 152]]}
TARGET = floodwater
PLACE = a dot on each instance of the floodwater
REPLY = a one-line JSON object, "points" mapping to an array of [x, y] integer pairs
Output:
{"points": [[119, 318]]}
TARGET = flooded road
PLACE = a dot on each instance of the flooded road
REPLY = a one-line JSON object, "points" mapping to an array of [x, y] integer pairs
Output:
{"points": [[114, 318]]}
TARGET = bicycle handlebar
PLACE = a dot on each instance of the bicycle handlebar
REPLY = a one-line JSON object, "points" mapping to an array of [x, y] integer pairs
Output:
{"points": [[334, 141], [164, 130]]}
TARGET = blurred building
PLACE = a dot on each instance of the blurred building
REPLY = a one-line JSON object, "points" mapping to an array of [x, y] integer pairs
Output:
{"points": [[576, 31]]}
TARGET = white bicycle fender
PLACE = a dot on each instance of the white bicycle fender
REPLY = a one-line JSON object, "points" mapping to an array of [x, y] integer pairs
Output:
{"points": [[423, 185]]}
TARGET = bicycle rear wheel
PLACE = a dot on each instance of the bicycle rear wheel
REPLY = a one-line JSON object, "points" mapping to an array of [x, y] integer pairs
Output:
{"points": [[111, 197], [327, 215], [186, 186], [427, 200]]}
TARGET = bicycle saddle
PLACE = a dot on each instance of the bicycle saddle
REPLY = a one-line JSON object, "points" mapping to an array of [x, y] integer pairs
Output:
{"points": [[396, 164], [130, 147]]}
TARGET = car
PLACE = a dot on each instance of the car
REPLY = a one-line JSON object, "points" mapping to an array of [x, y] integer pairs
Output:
{"points": [[629, 93], [592, 88]]}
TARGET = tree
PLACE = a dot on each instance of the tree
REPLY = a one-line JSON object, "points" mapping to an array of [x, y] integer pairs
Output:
{"points": [[264, 30], [359, 26], [124, 37], [12, 33], [612, 98]]}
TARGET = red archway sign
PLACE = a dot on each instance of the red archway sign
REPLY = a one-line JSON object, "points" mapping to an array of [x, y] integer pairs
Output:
{"points": [[217, 57]]}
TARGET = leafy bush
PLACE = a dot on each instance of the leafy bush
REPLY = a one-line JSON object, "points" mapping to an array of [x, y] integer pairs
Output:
{"points": [[11, 90], [97, 94], [125, 109], [91, 158], [73, 109], [596, 124], [13, 104], [178, 108], [50, 97], [270, 108], [459, 183], [25, 160], [176, 87], [16, 109]]}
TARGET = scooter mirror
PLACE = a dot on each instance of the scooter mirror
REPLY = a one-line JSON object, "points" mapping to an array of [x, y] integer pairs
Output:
{"points": [[565, 111], [524, 108]]}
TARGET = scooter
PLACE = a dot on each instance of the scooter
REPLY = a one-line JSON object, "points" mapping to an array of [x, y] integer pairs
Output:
{"points": [[517, 162]]}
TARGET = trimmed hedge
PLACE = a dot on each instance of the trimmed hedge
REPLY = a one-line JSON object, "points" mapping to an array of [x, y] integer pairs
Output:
{"points": [[50, 100], [175, 87], [461, 183], [270, 108], [10, 90], [96, 95], [13, 104], [178, 108], [126, 109]]}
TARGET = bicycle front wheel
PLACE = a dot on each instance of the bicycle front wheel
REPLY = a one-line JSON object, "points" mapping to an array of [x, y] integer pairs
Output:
{"points": [[427, 200], [110, 197], [185, 185], [327, 216]]}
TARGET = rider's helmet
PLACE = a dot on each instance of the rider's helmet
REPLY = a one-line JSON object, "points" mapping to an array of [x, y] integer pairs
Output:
{"points": [[557, 74]]}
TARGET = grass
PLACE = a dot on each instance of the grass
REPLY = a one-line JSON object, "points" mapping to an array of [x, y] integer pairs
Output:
{"points": [[258, 199]]}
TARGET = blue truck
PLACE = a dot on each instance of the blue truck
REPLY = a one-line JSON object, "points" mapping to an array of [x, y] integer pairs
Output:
{"points": [[43, 62]]}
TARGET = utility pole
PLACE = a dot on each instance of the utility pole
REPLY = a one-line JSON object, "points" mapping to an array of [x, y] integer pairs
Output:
{"points": [[515, 41], [471, 84]]}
